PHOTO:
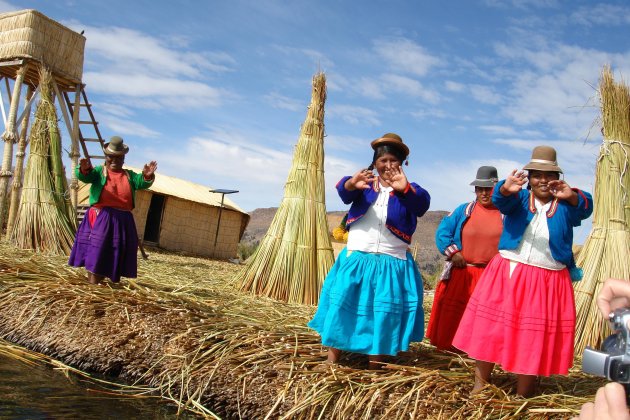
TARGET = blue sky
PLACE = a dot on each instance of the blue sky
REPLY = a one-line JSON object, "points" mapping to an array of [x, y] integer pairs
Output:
{"points": [[216, 91]]}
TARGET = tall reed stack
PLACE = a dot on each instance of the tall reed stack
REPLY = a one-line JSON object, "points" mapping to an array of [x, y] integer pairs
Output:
{"points": [[606, 250], [295, 254], [45, 221]]}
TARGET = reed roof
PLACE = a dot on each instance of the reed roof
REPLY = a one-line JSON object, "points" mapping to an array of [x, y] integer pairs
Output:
{"points": [[177, 187], [28, 34]]}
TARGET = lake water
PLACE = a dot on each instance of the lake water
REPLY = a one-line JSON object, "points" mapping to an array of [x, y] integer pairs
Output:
{"points": [[40, 392]]}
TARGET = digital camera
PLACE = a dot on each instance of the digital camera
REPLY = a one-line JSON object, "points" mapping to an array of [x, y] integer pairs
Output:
{"points": [[613, 362]]}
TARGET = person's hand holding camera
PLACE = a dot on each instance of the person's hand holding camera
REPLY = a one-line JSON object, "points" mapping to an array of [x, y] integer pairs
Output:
{"points": [[610, 400], [610, 404], [615, 294]]}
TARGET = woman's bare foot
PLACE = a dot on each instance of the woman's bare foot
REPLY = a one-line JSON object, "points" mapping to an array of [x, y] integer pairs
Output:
{"points": [[483, 371], [526, 385], [375, 362], [333, 355], [95, 278]]}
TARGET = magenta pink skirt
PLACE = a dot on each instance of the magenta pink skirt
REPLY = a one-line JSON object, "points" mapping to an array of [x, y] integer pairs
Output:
{"points": [[525, 323]]}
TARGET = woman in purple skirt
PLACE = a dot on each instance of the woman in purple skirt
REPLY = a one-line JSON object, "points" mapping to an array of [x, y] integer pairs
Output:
{"points": [[107, 241]]}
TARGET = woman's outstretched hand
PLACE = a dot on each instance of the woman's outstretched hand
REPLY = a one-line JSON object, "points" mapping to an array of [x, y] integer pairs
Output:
{"points": [[561, 190], [397, 178], [360, 181], [149, 170], [514, 182], [85, 166]]}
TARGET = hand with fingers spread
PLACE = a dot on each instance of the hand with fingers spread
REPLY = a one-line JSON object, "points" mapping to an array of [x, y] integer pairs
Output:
{"points": [[514, 182], [561, 190], [360, 181], [397, 178], [149, 170]]}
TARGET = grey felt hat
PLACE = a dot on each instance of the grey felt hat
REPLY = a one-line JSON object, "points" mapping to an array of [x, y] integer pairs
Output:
{"points": [[486, 177], [115, 147]]}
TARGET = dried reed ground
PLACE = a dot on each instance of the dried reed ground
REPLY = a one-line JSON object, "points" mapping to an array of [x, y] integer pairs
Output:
{"points": [[184, 332]]}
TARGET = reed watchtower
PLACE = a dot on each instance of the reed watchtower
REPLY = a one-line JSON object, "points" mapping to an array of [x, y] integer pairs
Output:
{"points": [[29, 40]]}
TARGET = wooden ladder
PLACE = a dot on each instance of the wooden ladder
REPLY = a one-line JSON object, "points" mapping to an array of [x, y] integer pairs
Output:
{"points": [[95, 141]]}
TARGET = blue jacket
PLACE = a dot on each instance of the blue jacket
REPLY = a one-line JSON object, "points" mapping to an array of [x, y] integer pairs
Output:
{"points": [[519, 210], [403, 209], [448, 236]]}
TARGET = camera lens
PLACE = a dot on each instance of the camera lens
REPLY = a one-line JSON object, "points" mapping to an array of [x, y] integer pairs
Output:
{"points": [[619, 372]]}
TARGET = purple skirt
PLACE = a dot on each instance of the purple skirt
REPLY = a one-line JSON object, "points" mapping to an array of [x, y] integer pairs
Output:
{"points": [[109, 247]]}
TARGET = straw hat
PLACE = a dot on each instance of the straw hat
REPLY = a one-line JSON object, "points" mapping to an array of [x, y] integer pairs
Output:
{"points": [[543, 159], [115, 147], [393, 140], [486, 177]]}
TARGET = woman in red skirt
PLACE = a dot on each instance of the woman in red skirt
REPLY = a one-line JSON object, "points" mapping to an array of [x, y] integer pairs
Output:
{"points": [[522, 312], [469, 237]]}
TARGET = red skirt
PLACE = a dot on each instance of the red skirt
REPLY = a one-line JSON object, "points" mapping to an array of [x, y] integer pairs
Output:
{"points": [[524, 322], [449, 303]]}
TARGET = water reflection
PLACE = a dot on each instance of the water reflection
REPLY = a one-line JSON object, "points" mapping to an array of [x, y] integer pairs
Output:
{"points": [[39, 392]]}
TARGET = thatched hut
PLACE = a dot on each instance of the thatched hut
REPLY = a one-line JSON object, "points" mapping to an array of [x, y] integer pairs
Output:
{"points": [[179, 215]]}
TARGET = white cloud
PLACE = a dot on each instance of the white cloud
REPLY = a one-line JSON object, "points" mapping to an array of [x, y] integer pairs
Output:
{"points": [[316, 57], [453, 86], [484, 94], [160, 92], [601, 14], [555, 86], [354, 115], [156, 73], [6, 6], [498, 129], [409, 86], [429, 113], [126, 50], [370, 88], [279, 101], [125, 127], [404, 55], [523, 4]]}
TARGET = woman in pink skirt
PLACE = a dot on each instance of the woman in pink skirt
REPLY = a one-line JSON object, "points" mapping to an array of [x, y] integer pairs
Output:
{"points": [[522, 312]]}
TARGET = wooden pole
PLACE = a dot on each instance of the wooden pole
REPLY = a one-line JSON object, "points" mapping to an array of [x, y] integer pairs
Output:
{"points": [[16, 188], [9, 138], [74, 151]]}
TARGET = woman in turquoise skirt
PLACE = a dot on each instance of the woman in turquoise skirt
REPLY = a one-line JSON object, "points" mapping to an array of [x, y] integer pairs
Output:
{"points": [[371, 301]]}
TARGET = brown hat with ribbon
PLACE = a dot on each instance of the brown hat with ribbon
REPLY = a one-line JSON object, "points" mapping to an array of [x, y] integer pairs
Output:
{"points": [[115, 147], [393, 140], [543, 159]]}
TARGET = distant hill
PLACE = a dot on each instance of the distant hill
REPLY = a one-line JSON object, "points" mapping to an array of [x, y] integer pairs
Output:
{"points": [[427, 255]]}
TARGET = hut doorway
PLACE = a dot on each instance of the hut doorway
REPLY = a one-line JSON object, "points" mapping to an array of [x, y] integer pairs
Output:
{"points": [[154, 218]]}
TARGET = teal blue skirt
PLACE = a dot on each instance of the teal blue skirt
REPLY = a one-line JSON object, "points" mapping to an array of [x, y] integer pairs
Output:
{"points": [[370, 304]]}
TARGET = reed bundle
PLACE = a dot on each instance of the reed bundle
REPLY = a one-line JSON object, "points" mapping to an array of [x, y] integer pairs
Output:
{"points": [[605, 252], [45, 221], [192, 338], [295, 254]]}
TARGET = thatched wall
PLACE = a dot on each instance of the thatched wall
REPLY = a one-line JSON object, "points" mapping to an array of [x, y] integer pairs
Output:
{"points": [[191, 227], [31, 35]]}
